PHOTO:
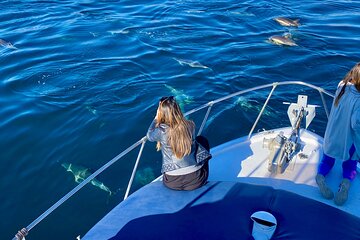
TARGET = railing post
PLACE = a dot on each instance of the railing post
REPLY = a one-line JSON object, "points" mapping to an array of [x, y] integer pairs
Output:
{"points": [[262, 110], [205, 118], [324, 103], [134, 170]]}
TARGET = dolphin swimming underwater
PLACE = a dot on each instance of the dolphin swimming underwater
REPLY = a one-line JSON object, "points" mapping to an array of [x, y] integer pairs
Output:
{"points": [[287, 22], [91, 109], [121, 31], [7, 44], [250, 104], [181, 97], [246, 105], [81, 173], [194, 64], [282, 40]]}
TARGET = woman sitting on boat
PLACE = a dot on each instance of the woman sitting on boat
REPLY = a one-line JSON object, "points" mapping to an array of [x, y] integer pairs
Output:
{"points": [[342, 136], [175, 138]]}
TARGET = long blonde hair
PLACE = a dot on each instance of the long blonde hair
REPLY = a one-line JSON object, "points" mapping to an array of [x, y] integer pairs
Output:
{"points": [[180, 131], [352, 76]]}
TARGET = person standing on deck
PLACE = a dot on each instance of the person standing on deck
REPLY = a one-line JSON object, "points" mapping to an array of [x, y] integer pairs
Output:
{"points": [[342, 136], [175, 137]]}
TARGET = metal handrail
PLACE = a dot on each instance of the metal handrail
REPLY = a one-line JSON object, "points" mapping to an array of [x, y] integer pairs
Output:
{"points": [[82, 184], [143, 140], [262, 110], [134, 169]]}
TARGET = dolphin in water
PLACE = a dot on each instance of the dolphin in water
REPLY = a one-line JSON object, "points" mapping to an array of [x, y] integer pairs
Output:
{"points": [[249, 104], [145, 176], [193, 64], [287, 22], [121, 31], [181, 97], [282, 40], [81, 173], [246, 104], [91, 109], [7, 44]]}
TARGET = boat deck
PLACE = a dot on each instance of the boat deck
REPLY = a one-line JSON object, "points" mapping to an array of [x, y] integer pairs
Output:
{"points": [[240, 184], [243, 160], [221, 210]]}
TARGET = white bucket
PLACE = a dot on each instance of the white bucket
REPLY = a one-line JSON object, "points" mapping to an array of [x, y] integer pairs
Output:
{"points": [[264, 225]]}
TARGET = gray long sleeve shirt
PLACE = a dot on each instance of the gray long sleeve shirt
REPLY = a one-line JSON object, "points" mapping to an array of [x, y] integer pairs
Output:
{"points": [[170, 163]]}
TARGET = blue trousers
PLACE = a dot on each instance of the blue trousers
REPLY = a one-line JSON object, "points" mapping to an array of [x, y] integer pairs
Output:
{"points": [[349, 166]]}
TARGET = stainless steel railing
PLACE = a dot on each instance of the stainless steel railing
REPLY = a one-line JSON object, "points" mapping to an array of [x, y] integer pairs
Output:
{"points": [[142, 141]]}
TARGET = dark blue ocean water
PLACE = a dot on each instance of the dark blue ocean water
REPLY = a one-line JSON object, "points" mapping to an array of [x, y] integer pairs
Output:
{"points": [[80, 81]]}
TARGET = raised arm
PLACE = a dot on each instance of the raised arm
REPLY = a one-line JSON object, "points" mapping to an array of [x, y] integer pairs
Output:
{"points": [[154, 133]]}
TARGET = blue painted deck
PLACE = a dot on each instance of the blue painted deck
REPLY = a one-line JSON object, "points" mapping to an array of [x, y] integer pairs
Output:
{"points": [[221, 210]]}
